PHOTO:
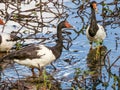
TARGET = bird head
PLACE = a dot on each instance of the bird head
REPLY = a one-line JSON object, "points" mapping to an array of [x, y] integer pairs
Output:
{"points": [[65, 24], [93, 5]]}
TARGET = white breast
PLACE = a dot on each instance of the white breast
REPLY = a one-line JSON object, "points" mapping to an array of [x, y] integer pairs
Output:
{"points": [[6, 45], [100, 35]]}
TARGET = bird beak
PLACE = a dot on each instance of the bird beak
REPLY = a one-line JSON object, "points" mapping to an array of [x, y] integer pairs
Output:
{"points": [[1, 22], [68, 25]]}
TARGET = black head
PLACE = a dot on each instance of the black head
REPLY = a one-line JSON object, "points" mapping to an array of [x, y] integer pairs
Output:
{"points": [[64, 24], [93, 5]]}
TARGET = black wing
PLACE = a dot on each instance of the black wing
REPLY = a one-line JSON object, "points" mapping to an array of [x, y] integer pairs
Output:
{"points": [[29, 52]]}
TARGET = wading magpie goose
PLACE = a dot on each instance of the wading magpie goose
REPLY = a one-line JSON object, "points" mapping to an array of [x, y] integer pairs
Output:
{"points": [[95, 32], [37, 55]]}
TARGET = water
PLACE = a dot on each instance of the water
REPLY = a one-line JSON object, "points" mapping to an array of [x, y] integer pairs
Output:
{"points": [[77, 55]]}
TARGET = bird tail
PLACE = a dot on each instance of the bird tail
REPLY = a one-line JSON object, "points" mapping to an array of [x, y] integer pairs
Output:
{"points": [[5, 62], [5, 58]]}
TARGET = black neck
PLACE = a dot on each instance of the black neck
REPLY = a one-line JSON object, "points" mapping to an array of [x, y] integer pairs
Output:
{"points": [[0, 39], [59, 36], [93, 24], [57, 49]]}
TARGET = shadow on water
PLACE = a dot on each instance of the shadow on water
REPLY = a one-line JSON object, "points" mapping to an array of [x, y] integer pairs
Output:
{"points": [[95, 62], [3, 65], [99, 75], [90, 78]]}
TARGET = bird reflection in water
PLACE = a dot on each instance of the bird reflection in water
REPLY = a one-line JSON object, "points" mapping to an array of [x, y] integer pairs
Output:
{"points": [[95, 61]]}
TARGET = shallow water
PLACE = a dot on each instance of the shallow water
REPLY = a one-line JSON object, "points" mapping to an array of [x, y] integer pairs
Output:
{"points": [[76, 57]]}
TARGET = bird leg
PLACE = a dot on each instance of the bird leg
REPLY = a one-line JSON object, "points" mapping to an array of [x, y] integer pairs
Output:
{"points": [[8, 50], [98, 51], [33, 73], [91, 45], [54, 67], [40, 69]]}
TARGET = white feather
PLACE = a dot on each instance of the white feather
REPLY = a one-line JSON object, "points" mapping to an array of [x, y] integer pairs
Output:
{"points": [[100, 35], [6, 45], [46, 58]]}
